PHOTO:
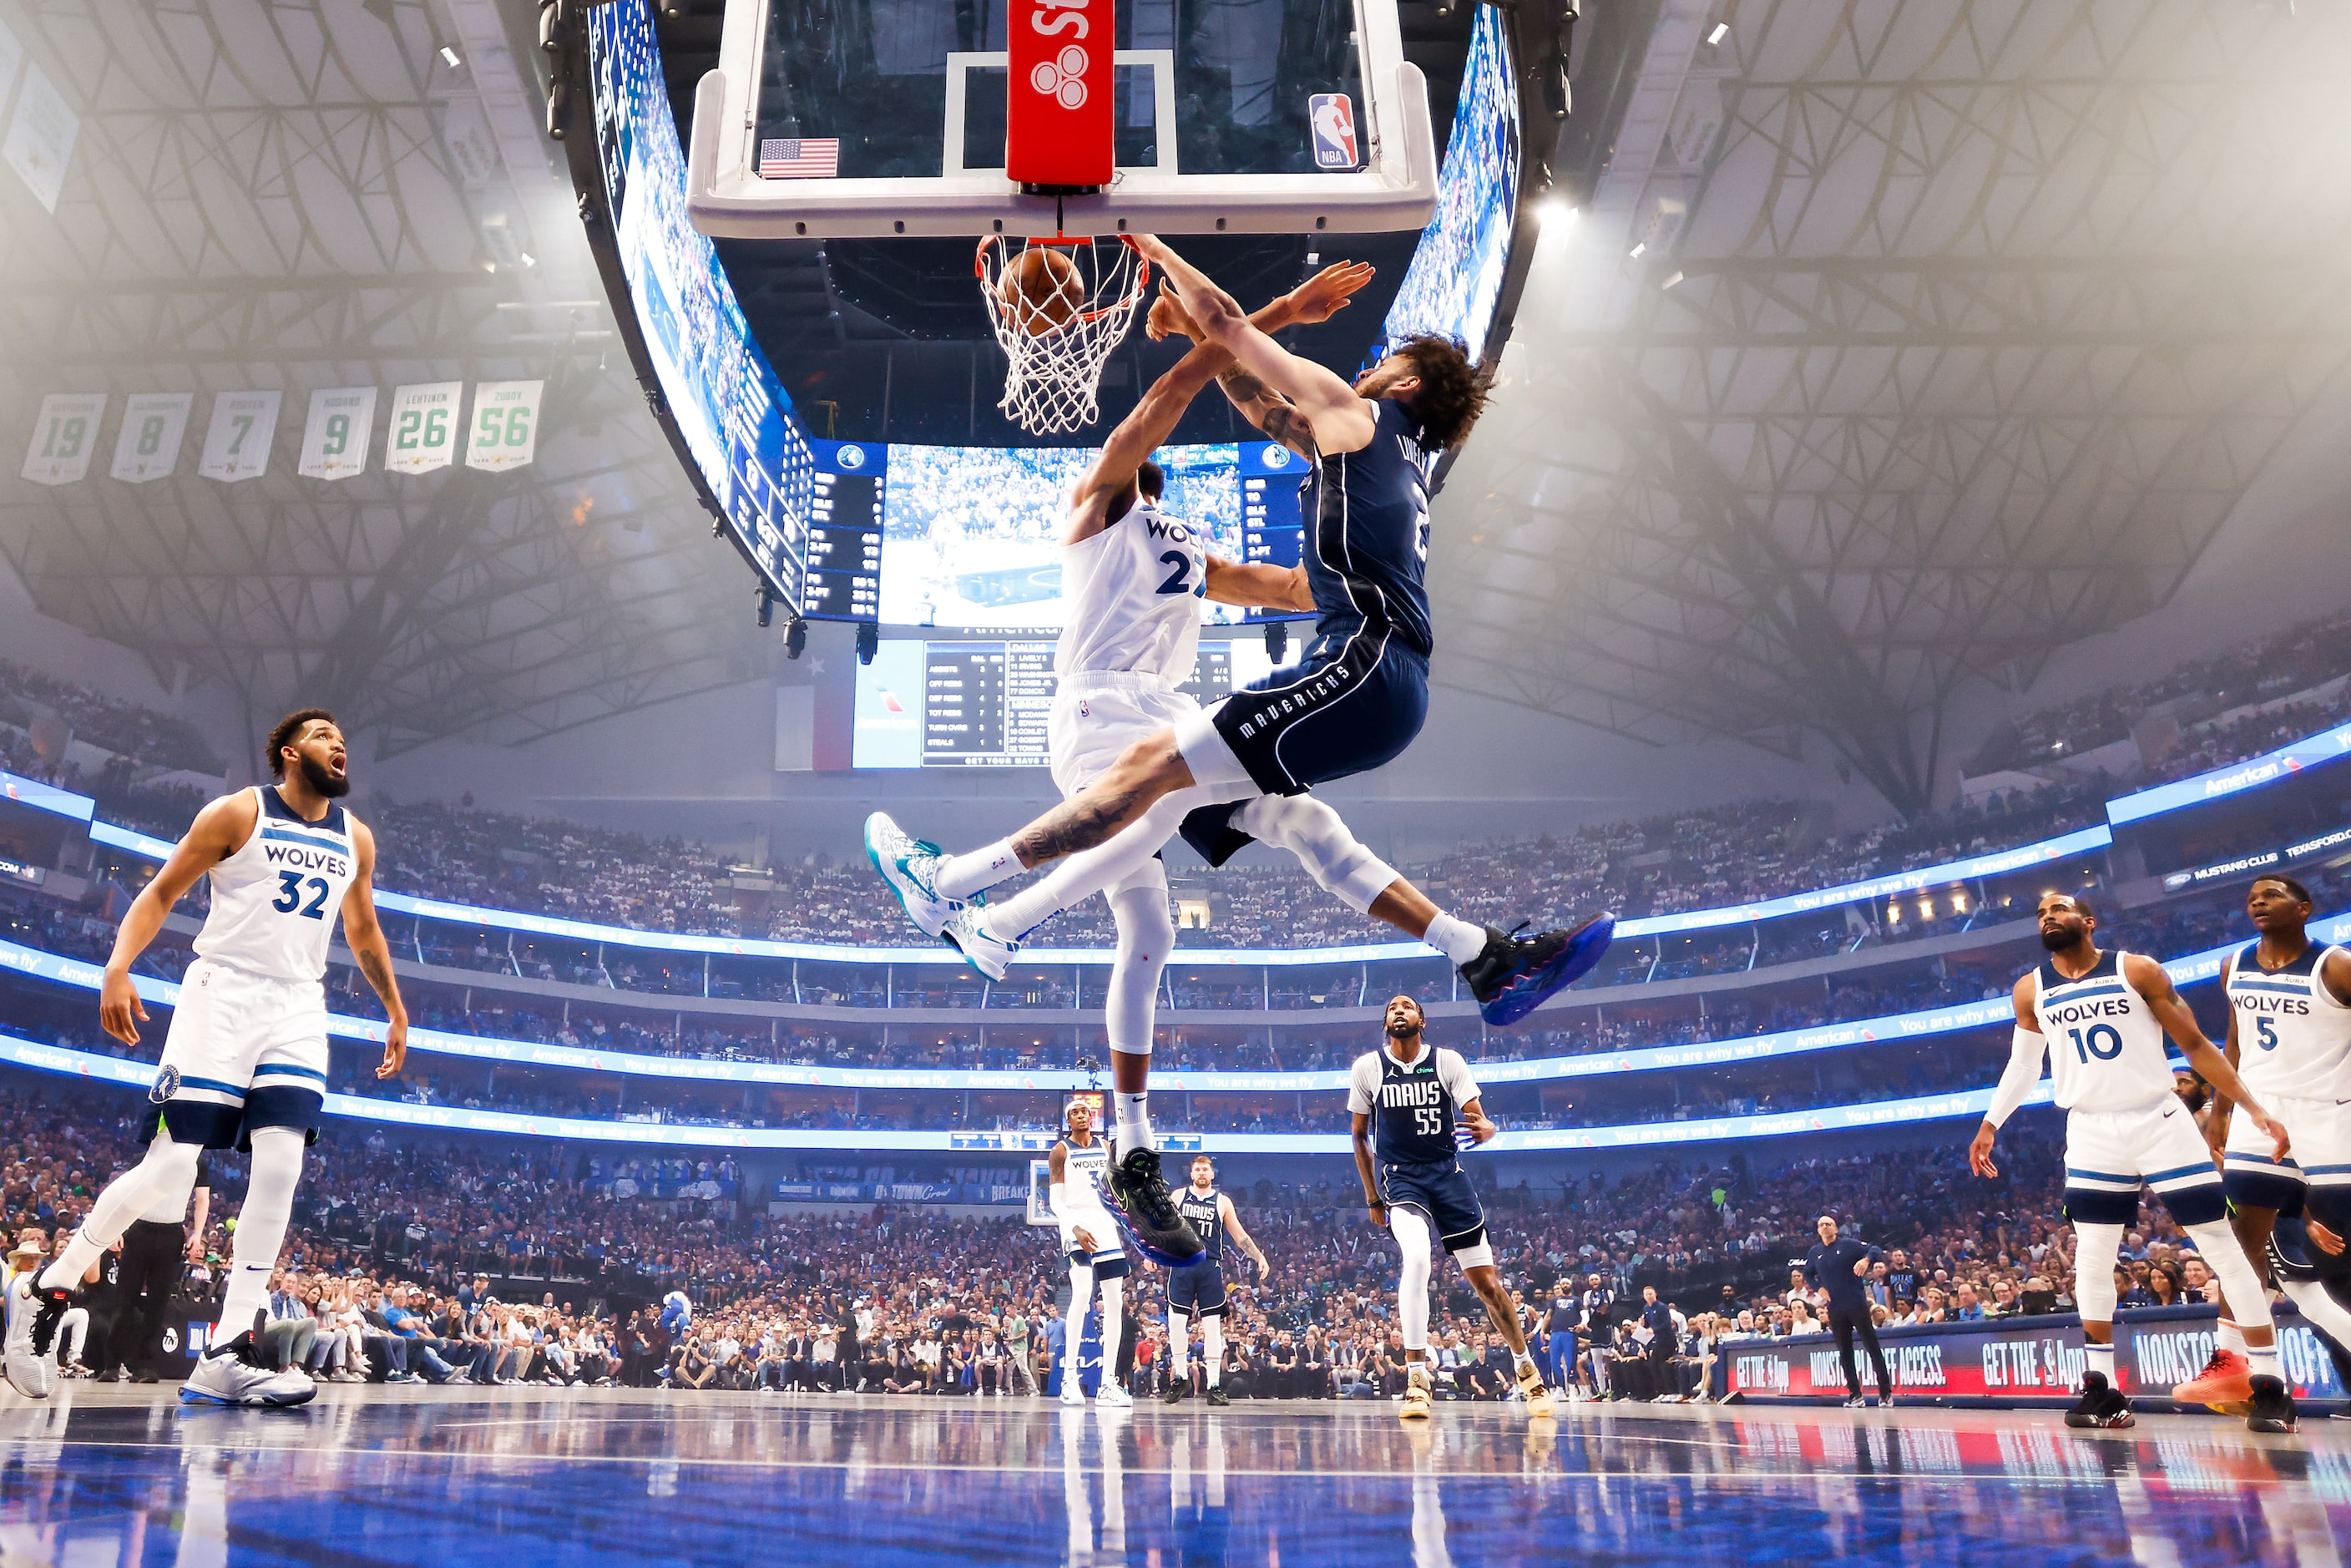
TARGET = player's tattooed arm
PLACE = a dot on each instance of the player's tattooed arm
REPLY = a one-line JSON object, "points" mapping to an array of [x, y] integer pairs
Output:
{"points": [[1287, 425], [364, 935]]}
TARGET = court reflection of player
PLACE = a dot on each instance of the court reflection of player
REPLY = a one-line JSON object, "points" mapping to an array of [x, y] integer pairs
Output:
{"points": [[1088, 1545], [1429, 1549], [1195, 1497]]}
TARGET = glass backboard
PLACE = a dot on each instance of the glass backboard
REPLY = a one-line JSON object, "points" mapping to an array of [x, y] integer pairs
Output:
{"points": [[888, 117]]}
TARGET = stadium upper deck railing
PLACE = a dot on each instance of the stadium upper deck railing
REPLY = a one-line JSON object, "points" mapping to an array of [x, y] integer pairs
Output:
{"points": [[2221, 783]]}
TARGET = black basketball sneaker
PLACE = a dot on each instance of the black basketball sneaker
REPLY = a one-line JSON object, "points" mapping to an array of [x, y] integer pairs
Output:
{"points": [[2102, 1404], [2272, 1408], [1515, 973], [1136, 1195], [1179, 1389]]}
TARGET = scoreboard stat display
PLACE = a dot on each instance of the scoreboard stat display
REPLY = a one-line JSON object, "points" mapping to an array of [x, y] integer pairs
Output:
{"points": [[987, 704]]}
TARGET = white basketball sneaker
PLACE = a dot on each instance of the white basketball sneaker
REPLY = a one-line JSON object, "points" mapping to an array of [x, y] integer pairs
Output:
{"points": [[1071, 1394], [233, 1374], [1114, 1394], [966, 931], [34, 1377], [909, 865]]}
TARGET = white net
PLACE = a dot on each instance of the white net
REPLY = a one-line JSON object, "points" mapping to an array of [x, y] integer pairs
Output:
{"points": [[1057, 319]]}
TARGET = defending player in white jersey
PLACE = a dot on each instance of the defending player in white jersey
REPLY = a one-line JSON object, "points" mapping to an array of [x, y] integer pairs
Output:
{"points": [[2100, 1018], [1405, 1100], [245, 1059], [1097, 1262], [2290, 1041]]}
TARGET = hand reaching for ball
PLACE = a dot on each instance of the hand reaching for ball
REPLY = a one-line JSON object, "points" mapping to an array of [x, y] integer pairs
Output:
{"points": [[1168, 318], [1328, 292]]}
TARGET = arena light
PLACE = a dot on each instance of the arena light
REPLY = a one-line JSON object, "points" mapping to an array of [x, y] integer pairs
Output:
{"points": [[449, 58], [1722, 31], [1639, 249]]}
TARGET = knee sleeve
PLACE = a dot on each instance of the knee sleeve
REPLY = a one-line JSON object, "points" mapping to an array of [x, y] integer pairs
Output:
{"points": [[1176, 1348], [168, 1171], [1212, 1355], [1411, 1233], [1312, 831], [261, 1223], [2099, 1246], [1479, 1257], [2248, 1305], [1146, 935], [1114, 1321], [2323, 1311]]}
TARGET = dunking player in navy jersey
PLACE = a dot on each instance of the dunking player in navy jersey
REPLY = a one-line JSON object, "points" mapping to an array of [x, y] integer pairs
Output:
{"points": [[1195, 1295], [1405, 1099], [245, 1060], [1356, 701]]}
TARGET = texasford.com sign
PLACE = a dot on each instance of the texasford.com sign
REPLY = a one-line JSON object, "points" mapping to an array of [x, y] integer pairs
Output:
{"points": [[2035, 1358]]}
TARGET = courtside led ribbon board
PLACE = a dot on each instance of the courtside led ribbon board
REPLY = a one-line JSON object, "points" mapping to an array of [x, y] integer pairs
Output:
{"points": [[147, 445], [335, 437], [423, 427], [237, 444], [1058, 130], [63, 437], [505, 430]]}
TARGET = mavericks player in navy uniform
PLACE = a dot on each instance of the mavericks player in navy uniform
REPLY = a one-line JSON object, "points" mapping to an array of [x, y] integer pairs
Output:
{"points": [[1406, 1098], [245, 1060], [1195, 1294], [2100, 1018]]}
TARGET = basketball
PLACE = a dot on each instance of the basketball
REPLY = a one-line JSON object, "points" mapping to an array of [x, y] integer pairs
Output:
{"points": [[1039, 290]]}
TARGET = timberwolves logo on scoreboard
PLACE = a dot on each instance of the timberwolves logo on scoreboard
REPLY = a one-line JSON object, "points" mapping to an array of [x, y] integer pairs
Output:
{"points": [[851, 456], [1277, 455]]}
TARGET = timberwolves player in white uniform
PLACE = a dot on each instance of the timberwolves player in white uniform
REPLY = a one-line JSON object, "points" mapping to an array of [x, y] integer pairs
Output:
{"points": [[1197, 1295], [1405, 1100], [2100, 1018], [245, 1059], [1089, 1240], [2290, 1041]]}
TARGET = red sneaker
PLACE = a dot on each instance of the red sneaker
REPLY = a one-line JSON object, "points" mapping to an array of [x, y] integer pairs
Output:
{"points": [[2226, 1384]]}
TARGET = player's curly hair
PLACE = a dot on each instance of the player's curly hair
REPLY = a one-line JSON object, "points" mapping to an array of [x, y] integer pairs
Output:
{"points": [[282, 734], [1452, 390]]}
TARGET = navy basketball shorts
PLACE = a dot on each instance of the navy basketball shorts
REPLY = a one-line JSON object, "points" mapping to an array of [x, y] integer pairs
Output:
{"points": [[1197, 1292], [1443, 1196], [1350, 708]]}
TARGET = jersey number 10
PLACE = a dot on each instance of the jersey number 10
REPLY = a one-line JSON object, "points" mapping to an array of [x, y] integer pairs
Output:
{"points": [[2104, 1041]]}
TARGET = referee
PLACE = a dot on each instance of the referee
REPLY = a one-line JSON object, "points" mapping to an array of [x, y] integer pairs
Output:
{"points": [[155, 1252], [1836, 1266]]}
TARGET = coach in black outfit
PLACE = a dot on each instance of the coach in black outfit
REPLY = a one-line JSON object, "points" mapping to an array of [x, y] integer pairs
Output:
{"points": [[154, 1260], [1837, 1267]]}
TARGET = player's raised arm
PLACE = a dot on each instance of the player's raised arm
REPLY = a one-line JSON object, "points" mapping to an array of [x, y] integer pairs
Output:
{"points": [[2147, 977], [211, 839], [1340, 421], [364, 934], [1156, 415], [1257, 585]]}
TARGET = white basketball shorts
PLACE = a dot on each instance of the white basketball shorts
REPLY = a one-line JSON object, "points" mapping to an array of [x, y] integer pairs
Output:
{"points": [[1097, 714], [243, 1050], [2318, 1153], [2110, 1154]]}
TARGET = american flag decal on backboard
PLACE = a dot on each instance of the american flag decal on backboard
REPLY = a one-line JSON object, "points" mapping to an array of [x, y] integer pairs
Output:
{"points": [[800, 157]]}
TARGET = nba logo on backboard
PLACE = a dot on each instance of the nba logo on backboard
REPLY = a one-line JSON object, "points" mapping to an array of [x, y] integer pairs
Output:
{"points": [[1333, 115]]}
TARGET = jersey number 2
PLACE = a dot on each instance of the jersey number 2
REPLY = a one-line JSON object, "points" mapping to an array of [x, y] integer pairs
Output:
{"points": [[1180, 580], [289, 896]]}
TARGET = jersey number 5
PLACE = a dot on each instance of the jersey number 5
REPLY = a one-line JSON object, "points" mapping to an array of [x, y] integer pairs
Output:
{"points": [[289, 895], [2267, 1031]]}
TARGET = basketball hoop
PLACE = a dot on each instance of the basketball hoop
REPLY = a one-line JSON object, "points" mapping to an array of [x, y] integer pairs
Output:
{"points": [[1055, 347]]}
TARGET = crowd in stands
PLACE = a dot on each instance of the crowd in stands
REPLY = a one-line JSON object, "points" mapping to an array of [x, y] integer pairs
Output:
{"points": [[1682, 861], [479, 1261]]}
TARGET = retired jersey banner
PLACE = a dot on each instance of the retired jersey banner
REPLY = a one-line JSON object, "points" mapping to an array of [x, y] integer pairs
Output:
{"points": [[63, 437], [334, 438], [2005, 1359], [423, 427], [147, 445], [236, 446], [41, 138], [505, 430]]}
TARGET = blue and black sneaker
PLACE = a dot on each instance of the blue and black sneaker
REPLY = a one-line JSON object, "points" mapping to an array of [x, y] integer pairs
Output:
{"points": [[1136, 1195], [1514, 974]]}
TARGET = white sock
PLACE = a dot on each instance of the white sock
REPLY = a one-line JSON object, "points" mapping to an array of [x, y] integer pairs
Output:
{"points": [[1134, 1121], [2262, 1360], [960, 876], [2100, 1359], [1456, 939], [2232, 1337], [1177, 1347], [1520, 1361], [1212, 1355]]}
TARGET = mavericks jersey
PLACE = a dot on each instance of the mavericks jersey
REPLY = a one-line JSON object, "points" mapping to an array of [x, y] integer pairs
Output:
{"points": [[1133, 593], [1206, 1217], [276, 898], [1366, 551], [2106, 1050], [2293, 1036], [1412, 1107]]}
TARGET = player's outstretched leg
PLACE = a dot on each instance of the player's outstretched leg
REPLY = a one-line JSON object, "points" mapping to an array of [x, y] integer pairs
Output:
{"points": [[910, 865], [234, 1372], [1513, 975]]}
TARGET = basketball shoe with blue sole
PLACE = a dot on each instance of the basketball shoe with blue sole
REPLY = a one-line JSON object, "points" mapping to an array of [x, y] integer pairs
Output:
{"points": [[233, 1374], [910, 866], [1515, 974]]}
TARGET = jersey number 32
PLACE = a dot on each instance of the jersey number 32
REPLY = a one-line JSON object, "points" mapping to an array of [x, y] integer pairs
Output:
{"points": [[290, 886]]}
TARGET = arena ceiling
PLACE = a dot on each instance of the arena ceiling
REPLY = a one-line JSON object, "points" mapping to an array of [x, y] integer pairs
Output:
{"points": [[1959, 329], [310, 194]]}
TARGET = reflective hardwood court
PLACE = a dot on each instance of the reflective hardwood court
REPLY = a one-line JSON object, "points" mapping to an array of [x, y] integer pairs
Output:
{"points": [[105, 1475]]}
